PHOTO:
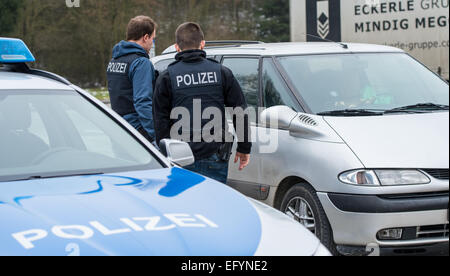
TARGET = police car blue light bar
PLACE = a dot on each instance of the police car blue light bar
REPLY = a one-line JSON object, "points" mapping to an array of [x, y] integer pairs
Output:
{"points": [[14, 50]]}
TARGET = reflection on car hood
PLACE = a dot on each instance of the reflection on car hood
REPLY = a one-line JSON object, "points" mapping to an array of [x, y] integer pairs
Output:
{"points": [[159, 212], [397, 141], [279, 231]]}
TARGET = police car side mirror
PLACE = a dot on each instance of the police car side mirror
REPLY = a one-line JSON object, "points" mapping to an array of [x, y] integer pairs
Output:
{"points": [[277, 117], [177, 152]]}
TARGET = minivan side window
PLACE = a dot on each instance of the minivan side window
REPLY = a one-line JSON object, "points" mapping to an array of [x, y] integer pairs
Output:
{"points": [[162, 65], [275, 90], [246, 71]]}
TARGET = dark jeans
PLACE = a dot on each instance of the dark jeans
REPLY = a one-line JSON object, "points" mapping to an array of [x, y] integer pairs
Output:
{"points": [[211, 167]]}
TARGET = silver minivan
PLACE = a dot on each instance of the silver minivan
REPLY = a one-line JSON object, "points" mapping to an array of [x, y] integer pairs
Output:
{"points": [[350, 140]]}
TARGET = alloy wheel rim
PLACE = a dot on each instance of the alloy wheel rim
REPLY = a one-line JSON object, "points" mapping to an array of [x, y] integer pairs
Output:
{"points": [[300, 210]]}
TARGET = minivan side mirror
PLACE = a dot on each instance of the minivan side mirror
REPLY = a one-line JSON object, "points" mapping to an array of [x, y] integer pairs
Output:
{"points": [[177, 152], [277, 117], [299, 125]]}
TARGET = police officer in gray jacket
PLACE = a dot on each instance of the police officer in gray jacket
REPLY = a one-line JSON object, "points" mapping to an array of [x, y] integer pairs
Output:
{"points": [[195, 82]]}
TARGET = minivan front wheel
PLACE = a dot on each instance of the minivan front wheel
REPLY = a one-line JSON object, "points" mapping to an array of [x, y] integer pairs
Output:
{"points": [[302, 204]]}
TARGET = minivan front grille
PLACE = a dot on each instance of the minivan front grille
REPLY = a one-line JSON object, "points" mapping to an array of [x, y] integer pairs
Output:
{"points": [[433, 231], [441, 174]]}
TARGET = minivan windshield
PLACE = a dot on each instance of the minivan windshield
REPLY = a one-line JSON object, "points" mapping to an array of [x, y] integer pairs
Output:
{"points": [[365, 83], [59, 133]]}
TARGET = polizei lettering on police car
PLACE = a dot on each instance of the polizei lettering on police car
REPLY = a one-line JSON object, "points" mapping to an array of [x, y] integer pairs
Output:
{"points": [[136, 224], [197, 79]]}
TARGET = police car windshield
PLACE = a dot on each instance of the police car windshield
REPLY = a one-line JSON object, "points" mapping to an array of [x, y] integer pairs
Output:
{"points": [[59, 133], [366, 82]]}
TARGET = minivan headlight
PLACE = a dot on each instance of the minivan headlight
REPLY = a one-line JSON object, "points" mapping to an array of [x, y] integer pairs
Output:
{"points": [[401, 177], [384, 177]]}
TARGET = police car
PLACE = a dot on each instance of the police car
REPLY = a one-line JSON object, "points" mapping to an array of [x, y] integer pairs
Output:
{"points": [[76, 179]]}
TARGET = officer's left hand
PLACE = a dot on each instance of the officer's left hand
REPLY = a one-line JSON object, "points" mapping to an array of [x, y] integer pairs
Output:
{"points": [[245, 160]]}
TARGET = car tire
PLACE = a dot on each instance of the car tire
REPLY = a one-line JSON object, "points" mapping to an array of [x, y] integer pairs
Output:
{"points": [[322, 229]]}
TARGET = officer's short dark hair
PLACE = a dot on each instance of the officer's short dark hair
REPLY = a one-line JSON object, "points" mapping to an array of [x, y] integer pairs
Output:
{"points": [[189, 36], [140, 26]]}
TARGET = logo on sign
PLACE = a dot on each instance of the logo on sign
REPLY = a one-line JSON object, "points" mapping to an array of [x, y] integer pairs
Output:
{"points": [[73, 3], [323, 18]]}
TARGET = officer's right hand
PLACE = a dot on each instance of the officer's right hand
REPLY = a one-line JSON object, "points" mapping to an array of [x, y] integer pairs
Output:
{"points": [[245, 160]]}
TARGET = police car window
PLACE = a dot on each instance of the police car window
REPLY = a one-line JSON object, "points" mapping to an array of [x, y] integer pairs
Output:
{"points": [[37, 126], [275, 90], [22, 121], [246, 71], [60, 133], [94, 138]]}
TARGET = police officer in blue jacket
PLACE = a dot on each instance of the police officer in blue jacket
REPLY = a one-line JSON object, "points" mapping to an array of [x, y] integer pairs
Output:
{"points": [[131, 76], [201, 87]]}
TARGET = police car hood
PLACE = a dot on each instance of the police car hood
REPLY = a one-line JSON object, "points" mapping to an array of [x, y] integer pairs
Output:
{"points": [[158, 212]]}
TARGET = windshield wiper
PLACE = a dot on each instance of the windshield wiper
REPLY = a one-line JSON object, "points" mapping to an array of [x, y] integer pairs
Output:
{"points": [[34, 177], [421, 107], [417, 108], [352, 112]]}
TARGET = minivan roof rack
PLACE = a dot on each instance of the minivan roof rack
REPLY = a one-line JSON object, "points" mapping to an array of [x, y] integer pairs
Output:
{"points": [[231, 42], [218, 44]]}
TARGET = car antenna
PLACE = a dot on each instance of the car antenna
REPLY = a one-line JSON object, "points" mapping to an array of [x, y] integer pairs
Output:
{"points": [[343, 45]]}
